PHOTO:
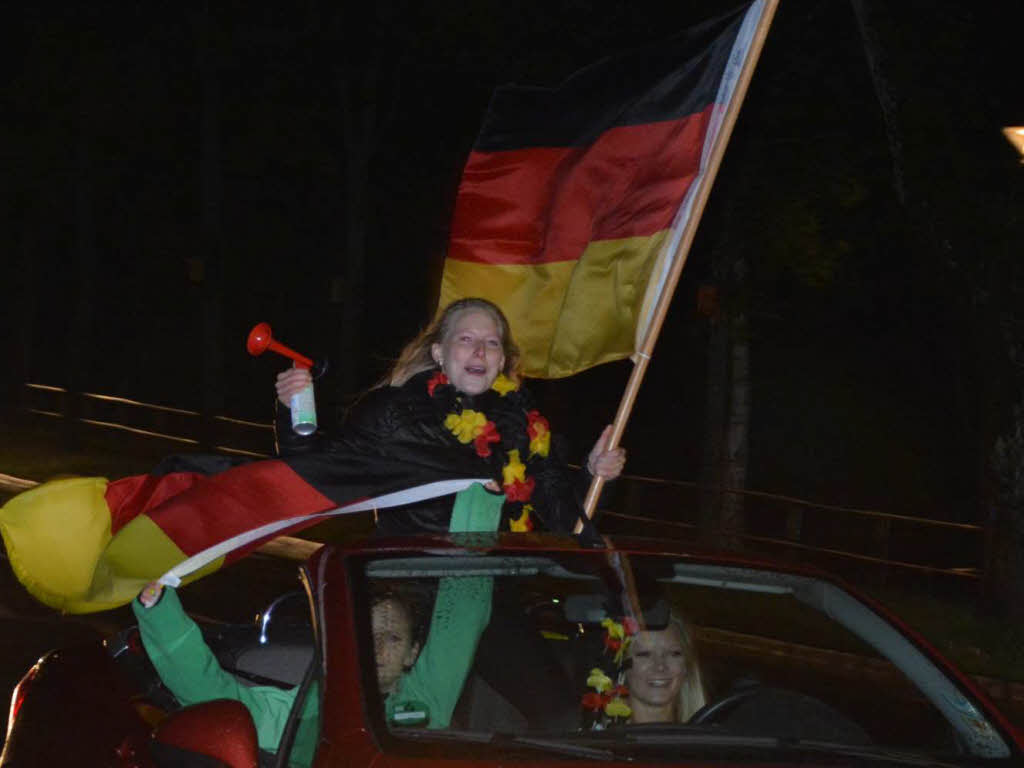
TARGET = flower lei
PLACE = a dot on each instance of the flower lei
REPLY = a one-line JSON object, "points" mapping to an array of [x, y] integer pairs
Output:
{"points": [[609, 697], [473, 426]]}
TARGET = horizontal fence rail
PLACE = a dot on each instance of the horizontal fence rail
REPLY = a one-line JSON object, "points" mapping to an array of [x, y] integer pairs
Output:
{"points": [[865, 543], [176, 425]]}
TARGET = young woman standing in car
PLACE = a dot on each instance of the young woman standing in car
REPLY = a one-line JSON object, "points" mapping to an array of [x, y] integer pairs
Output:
{"points": [[457, 386]]}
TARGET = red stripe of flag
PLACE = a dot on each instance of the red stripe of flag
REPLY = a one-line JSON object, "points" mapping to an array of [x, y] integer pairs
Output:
{"points": [[544, 205], [196, 510]]}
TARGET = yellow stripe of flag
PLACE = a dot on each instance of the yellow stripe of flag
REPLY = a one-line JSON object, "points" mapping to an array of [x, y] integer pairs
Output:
{"points": [[60, 547], [592, 304]]}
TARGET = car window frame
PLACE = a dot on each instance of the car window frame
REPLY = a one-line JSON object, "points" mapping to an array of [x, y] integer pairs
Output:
{"points": [[936, 680], [315, 673]]}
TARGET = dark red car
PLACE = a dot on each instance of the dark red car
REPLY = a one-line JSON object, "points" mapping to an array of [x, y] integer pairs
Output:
{"points": [[783, 666]]}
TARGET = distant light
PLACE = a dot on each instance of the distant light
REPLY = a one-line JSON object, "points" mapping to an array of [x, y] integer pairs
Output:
{"points": [[1015, 135]]}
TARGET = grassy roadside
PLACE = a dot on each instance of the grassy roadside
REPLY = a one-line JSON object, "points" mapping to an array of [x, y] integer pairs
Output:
{"points": [[34, 448]]}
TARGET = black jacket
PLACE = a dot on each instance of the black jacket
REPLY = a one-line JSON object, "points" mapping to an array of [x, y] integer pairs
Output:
{"points": [[389, 421]]}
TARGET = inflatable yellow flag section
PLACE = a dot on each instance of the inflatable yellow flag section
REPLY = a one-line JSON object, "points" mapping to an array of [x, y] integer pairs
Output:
{"points": [[59, 542], [85, 544]]}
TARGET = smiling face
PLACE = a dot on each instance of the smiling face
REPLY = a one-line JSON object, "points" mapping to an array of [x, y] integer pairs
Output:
{"points": [[394, 646], [656, 674], [471, 355]]}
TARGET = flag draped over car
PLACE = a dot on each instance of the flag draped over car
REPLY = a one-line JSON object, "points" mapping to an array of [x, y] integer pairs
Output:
{"points": [[571, 195], [87, 544]]}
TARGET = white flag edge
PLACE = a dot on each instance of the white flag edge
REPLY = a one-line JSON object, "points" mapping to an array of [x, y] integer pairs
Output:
{"points": [[408, 496]]}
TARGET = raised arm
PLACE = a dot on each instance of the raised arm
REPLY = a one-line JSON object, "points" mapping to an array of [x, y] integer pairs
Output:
{"points": [[187, 666], [462, 610]]}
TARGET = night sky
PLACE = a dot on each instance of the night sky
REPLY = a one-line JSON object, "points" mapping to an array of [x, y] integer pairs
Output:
{"points": [[174, 173]]}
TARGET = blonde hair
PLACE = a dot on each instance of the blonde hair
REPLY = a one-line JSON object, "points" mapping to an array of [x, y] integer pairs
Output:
{"points": [[416, 356], [691, 693]]}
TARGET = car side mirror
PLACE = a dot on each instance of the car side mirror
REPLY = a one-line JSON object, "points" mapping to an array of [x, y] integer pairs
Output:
{"points": [[222, 729]]}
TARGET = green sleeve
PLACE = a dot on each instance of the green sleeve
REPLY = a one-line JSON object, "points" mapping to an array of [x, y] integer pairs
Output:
{"points": [[189, 669], [462, 610], [476, 510]]}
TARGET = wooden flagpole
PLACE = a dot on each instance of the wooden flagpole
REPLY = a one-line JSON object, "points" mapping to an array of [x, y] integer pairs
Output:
{"points": [[643, 355]]}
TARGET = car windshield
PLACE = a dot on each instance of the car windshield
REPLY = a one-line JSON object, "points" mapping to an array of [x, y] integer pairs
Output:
{"points": [[606, 655]]}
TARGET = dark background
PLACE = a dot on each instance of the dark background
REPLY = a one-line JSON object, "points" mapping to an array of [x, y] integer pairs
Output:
{"points": [[175, 173]]}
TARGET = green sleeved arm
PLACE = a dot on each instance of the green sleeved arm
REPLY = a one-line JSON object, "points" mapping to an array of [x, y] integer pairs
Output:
{"points": [[189, 669], [462, 610]]}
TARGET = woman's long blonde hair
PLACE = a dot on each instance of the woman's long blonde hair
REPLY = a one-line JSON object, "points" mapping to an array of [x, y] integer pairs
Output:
{"points": [[691, 695], [416, 356]]}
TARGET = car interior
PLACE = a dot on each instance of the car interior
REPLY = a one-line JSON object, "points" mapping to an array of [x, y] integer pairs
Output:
{"points": [[783, 657]]}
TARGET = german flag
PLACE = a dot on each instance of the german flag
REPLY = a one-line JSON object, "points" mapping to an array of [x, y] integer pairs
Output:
{"points": [[87, 544], [571, 193]]}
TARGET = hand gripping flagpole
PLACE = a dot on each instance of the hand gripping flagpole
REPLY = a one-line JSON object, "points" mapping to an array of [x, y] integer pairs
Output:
{"points": [[753, 33]]}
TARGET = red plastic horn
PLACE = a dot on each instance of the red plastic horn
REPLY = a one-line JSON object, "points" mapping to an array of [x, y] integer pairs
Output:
{"points": [[260, 340]]}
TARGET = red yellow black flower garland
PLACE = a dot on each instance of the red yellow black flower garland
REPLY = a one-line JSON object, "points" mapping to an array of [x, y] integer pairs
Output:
{"points": [[473, 426], [609, 697]]}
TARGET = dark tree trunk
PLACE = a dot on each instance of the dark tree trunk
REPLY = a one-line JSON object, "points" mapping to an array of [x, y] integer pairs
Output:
{"points": [[724, 469], [715, 408], [1004, 540], [734, 472]]}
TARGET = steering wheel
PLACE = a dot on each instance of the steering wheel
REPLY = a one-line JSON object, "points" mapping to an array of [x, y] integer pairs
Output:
{"points": [[781, 713], [716, 711]]}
